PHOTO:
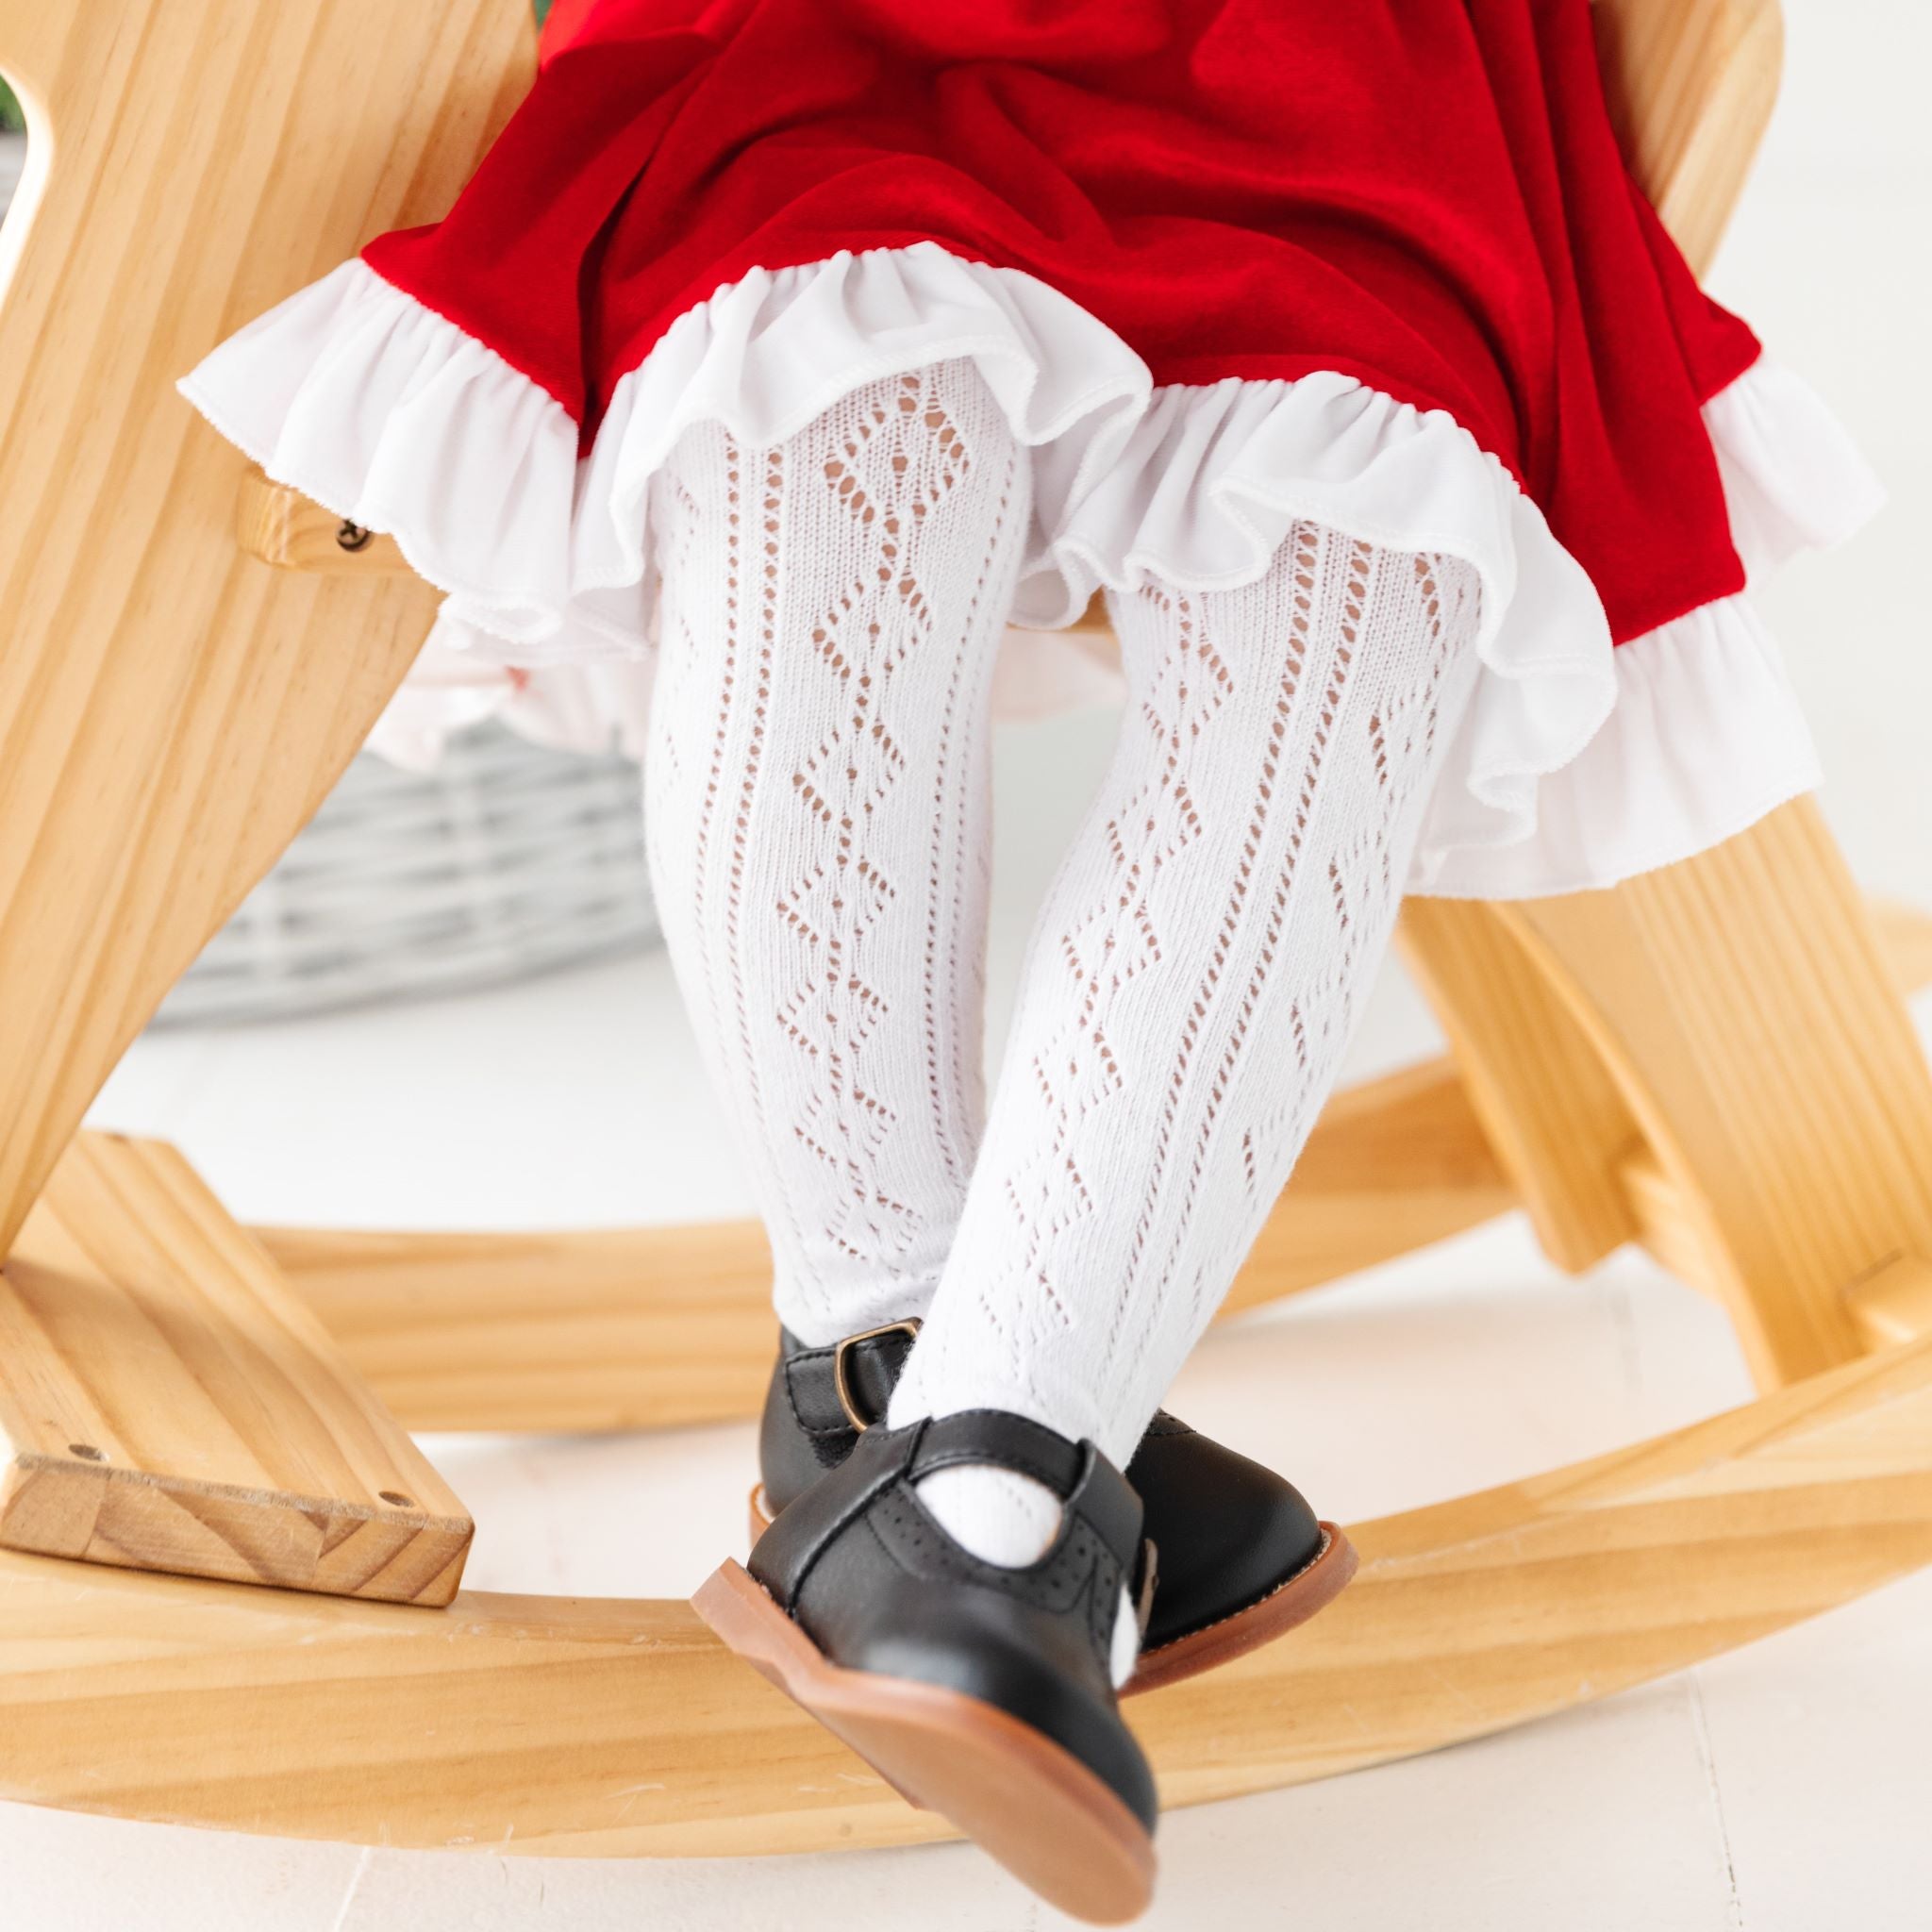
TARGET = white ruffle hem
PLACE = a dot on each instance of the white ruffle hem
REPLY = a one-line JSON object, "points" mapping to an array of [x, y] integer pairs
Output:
{"points": [[1577, 764]]}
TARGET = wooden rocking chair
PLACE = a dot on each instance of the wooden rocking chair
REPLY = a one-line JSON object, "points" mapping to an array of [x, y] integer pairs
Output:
{"points": [[1715, 1060]]}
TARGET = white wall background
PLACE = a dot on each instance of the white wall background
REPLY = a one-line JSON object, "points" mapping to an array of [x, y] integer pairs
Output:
{"points": [[1783, 1789]]}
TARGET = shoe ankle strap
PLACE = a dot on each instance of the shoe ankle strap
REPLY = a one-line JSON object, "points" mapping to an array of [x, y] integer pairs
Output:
{"points": [[1086, 1482], [845, 1387], [1088, 1485], [1005, 1440]]}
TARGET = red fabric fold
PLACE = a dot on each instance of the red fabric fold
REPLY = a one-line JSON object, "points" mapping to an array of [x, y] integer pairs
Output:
{"points": [[1425, 194]]}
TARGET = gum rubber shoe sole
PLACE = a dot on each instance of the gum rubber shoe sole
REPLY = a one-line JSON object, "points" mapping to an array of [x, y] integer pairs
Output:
{"points": [[1032, 1805], [1291, 1602]]}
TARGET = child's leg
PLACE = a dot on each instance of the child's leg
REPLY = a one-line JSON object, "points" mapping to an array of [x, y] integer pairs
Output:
{"points": [[817, 815], [1191, 986]]}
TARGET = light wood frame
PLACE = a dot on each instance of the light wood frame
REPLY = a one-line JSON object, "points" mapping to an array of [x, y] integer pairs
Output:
{"points": [[1715, 1059]]}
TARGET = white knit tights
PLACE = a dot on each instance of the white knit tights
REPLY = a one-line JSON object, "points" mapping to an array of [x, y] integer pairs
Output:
{"points": [[817, 815], [818, 825], [1194, 976]]}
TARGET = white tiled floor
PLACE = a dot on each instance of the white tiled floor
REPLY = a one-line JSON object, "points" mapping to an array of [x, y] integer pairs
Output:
{"points": [[1783, 1789]]}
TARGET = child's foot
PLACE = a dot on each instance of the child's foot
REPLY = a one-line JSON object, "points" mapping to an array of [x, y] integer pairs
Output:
{"points": [[978, 1692], [1242, 1558]]}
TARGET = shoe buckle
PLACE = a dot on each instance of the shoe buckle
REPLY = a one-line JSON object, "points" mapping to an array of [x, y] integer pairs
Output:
{"points": [[841, 1380], [1150, 1573]]}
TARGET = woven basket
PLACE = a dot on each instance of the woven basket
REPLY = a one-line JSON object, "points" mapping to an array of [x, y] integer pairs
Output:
{"points": [[506, 860]]}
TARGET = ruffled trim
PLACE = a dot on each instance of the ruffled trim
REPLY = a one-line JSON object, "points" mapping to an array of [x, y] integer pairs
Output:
{"points": [[388, 415], [1794, 480], [1706, 735], [1211, 480]]}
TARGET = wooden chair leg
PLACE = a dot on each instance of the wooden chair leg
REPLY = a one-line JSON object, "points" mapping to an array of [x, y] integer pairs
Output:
{"points": [[168, 1403], [171, 710], [1558, 1124], [1743, 1006]]}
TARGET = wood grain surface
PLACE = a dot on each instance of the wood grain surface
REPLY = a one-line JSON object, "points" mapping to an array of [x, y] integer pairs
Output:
{"points": [[1691, 86], [1745, 1004], [603, 1728], [294, 532], [171, 710], [166, 1403], [1549, 1108]]}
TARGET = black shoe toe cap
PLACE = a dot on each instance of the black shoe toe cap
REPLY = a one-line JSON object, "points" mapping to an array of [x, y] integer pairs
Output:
{"points": [[1228, 1531]]}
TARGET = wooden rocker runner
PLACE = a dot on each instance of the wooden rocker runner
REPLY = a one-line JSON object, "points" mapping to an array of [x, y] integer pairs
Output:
{"points": [[1715, 1060]]}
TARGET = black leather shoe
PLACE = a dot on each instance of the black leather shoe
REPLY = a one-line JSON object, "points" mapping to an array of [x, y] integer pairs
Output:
{"points": [[1243, 1557], [978, 1692]]}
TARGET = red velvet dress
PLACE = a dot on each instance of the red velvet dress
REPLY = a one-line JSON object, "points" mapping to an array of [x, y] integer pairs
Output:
{"points": [[1379, 262]]}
